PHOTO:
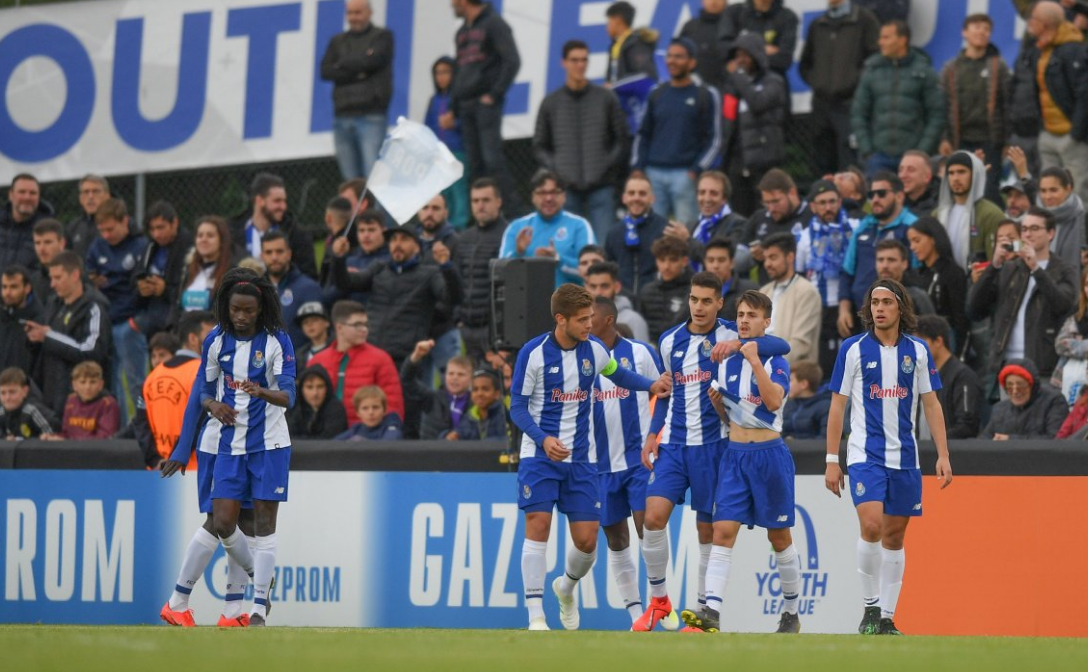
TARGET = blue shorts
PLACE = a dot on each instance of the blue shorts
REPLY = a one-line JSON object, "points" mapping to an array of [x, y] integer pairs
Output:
{"points": [[679, 467], [261, 475], [756, 485], [205, 475], [623, 492], [573, 487], [899, 489]]}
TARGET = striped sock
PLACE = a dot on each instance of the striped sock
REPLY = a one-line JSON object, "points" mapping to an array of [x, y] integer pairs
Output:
{"points": [[789, 571], [655, 552], [237, 580], [533, 570]]}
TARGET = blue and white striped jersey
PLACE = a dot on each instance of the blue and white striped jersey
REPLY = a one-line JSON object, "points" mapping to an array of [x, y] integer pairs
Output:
{"points": [[691, 419], [741, 396], [557, 385], [621, 417], [884, 384], [226, 362]]}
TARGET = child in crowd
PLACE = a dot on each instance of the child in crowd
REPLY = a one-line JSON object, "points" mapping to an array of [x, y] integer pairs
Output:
{"points": [[441, 409], [20, 418], [456, 195], [162, 345], [375, 422], [664, 302], [317, 415], [486, 419], [90, 413], [314, 322]]}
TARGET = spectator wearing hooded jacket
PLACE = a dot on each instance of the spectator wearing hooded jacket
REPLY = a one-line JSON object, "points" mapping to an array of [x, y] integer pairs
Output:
{"points": [[441, 409], [317, 414], [1033, 410], [581, 135], [808, 406], [963, 209], [837, 45], [23, 209], [375, 422], [976, 87], [961, 393], [632, 51], [898, 103], [769, 18], [755, 102], [442, 73]]}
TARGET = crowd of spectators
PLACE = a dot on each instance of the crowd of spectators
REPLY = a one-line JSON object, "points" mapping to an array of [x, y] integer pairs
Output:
{"points": [[964, 184]]}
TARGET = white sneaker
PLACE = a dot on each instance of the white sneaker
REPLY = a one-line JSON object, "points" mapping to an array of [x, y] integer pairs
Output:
{"points": [[538, 624], [568, 606]]}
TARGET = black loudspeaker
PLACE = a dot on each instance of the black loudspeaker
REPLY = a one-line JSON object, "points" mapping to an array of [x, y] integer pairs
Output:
{"points": [[521, 296]]}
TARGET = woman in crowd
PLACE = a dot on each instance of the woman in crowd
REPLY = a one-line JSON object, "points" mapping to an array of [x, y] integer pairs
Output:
{"points": [[1071, 373], [944, 281], [211, 260], [1056, 195]]}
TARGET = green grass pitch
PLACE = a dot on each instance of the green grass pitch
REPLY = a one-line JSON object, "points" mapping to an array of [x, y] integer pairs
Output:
{"points": [[40, 648]]}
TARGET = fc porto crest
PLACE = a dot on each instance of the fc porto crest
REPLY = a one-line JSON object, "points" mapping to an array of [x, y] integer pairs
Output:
{"points": [[526, 491], [258, 360], [587, 368], [859, 488], [625, 363], [705, 348], [907, 366], [287, 298]]}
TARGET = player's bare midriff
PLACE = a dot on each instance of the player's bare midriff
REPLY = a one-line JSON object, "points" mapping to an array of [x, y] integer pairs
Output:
{"points": [[739, 434]]}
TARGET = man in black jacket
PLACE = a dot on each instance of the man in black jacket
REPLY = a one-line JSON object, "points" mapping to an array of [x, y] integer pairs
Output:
{"points": [[581, 135], [24, 207], [76, 328], [920, 190], [835, 50], [268, 211], [487, 63], [1063, 100], [359, 63], [18, 306], [1032, 276], [161, 271], [94, 190], [713, 192], [664, 302], [477, 246], [1033, 409], [629, 240], [406, 296], [961, 393], [706, 31], [782, 211]]}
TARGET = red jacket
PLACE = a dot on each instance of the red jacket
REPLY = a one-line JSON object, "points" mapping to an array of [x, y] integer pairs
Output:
{"points": [[1074, 422], [96, 419], [367, 365]]}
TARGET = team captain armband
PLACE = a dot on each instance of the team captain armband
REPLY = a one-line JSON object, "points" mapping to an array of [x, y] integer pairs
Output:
{"points": [[610, 368]]}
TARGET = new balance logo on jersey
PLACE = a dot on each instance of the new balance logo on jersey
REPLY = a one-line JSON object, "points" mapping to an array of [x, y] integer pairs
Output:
{"points": [[871, 365], [226, 358], [554, 369], [559, 396], [678, 353], [280, 491], [893, 392], [732, 378], [918, 506]]}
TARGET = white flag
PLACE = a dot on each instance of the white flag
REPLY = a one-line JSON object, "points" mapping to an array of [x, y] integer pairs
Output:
{"points": [[413, 167]]}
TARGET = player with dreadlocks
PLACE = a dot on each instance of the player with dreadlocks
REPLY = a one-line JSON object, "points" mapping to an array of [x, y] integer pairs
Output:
{"points": [[245, 384]]}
